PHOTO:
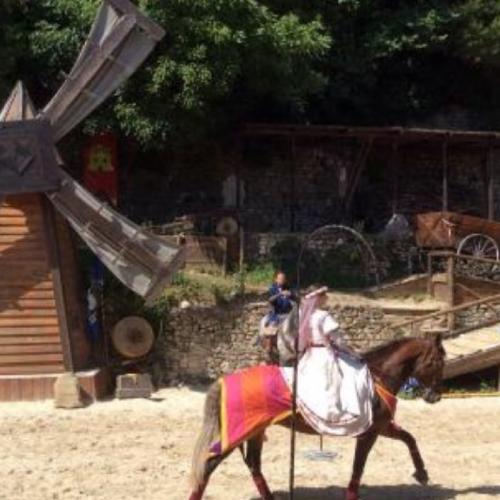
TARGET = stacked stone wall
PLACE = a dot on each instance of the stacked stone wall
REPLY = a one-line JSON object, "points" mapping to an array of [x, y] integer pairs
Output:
{"points": [[201, 343]]}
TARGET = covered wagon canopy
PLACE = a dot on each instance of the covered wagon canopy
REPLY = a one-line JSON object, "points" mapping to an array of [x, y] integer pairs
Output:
{"points": [[397, 138]]}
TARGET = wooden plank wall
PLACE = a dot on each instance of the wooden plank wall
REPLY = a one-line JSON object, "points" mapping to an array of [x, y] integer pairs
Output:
{"points": [[30, 341]]}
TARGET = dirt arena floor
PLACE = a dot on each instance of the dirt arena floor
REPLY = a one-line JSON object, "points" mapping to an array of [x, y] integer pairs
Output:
{"points": [[141, 450]]}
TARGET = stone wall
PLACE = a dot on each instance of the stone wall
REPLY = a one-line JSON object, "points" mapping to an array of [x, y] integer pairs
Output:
{"points": [[281, 192], [294, 193], [300, 193], [415, 185], [201, 343]]}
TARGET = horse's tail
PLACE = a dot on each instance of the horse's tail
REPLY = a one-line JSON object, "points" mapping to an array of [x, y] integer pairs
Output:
{"points": [[207, 436]]}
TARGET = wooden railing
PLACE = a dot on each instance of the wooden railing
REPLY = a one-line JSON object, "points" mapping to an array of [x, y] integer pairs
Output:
{"points": [[423, 325], [452, 258]]}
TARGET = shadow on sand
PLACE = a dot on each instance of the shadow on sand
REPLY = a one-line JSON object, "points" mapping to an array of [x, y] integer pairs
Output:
{"points": [[397, 492]]}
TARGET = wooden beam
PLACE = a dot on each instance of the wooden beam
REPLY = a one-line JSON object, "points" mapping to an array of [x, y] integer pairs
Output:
{"points": [[379, 133], [475, 295], [154, 31], [395, 176], [293, 154], [353, 179], [450, 279], [490, 195], [473, 362], [486, 300], [85, 73], [239, 161], [54, 257], [444, 158]]}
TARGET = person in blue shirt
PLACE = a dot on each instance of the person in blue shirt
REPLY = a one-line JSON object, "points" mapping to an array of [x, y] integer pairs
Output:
{"points": [[281, 299]]}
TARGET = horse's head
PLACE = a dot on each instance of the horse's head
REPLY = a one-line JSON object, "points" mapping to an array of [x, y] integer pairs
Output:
{"points": [[428, 368]]}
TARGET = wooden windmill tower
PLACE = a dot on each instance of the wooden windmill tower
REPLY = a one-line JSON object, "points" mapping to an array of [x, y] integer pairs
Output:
{"points": [[42, 329]]}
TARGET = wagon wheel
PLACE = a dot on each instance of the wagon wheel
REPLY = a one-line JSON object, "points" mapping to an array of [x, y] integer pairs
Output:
{"points": [[482, 246], [337, 256]]}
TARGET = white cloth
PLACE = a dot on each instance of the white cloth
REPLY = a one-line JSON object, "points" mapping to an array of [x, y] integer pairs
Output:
{"points": [[334, 390], [324, 328]]}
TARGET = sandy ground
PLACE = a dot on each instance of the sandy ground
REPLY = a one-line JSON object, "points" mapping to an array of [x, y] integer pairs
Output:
{"points": [[140, 449]]}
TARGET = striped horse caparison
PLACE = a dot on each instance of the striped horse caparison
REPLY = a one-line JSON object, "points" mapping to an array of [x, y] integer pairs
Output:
{"points": [[390, 364]]}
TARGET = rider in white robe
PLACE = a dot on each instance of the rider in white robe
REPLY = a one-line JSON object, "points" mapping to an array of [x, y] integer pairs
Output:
{"points": [[334, 387]]}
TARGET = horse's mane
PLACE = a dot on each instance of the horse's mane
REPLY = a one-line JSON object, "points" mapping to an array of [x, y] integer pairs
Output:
{"points": [[385, 348]]}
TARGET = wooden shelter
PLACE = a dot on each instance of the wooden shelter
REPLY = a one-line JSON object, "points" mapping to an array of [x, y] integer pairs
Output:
{"points": [[396, 140], [42, 323]]}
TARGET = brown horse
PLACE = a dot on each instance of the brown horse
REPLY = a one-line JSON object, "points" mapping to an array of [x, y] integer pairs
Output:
{"points": [[390, 364]]}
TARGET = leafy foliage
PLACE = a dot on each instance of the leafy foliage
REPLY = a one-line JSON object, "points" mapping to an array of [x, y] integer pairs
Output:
{"points": [[228, 61], [217, 62]]}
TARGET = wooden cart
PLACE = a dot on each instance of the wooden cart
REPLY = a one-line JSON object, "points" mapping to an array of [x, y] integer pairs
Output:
{"points": [[468, 235]]}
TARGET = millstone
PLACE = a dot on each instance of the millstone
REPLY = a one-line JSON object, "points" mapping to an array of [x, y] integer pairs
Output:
{"points": [[67, 392]]}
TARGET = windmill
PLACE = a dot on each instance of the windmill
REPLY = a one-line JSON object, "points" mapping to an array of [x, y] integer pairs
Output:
{"points": [[41, 307]]}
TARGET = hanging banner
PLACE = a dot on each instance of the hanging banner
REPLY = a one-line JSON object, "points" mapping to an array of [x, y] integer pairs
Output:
{"points": [[100, 167]]}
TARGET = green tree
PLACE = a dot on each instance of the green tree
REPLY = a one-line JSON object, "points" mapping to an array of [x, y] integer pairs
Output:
{"points": [[222, 61]]}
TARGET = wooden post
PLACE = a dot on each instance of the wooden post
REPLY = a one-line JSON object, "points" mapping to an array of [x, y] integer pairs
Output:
{"points": [[292, 183], [450, 281], [239, 159], [395, 176], [241, 235], [224, 259], [445, 175], [55, 266], [430, 291], [490, 195], [354, 176]]}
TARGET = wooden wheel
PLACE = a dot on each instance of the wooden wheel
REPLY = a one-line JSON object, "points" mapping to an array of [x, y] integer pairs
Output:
{"points": [[479, 245], [482, 246]]}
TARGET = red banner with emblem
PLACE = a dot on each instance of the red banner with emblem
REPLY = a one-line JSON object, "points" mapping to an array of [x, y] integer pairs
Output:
{"points": [[101, 167]]}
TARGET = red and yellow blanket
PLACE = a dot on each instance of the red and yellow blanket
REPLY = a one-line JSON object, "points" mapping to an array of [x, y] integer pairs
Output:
{"points": [[251, 400], [255, 398]]}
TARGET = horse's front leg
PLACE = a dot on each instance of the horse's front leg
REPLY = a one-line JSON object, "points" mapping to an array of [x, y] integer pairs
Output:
{"points": [[395, 432], [253, 460], [364, 444]]}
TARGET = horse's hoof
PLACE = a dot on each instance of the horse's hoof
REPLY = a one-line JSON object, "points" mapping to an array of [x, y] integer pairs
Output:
{"points": [[351, 495], [421, 476]]}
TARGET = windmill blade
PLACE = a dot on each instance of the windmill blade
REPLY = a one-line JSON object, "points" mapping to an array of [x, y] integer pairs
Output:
{"points": [[119, 41], [18, 106], [140, 260]]}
